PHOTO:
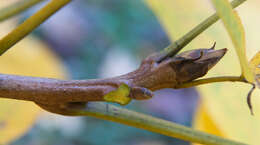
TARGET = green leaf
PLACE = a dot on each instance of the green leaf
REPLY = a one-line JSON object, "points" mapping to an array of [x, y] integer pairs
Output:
{"points": [[119, 95], [235, 29]]}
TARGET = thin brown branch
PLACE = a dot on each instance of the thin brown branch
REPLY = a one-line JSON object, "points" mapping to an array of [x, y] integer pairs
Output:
{"points": [[52, 94]]}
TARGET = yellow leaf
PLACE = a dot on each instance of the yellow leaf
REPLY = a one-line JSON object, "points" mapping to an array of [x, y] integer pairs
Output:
{"points": [[224, 103], [255, 65], [235, 29], [120, 95], [29, 57], [170, 22], [203, 121]]}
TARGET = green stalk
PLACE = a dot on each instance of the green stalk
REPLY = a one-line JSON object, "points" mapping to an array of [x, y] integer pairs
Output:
{"points": [[212, 80], [175, 47], [146, 122], [30, 24], [17, 8]]}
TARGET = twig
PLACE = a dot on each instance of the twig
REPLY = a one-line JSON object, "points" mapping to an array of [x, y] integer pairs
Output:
{"points": [[139, 84], [212, 80], [100, 110]]}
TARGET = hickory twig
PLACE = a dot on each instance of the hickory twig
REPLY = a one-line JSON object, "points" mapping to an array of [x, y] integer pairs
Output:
{"points": [[74, 97], [49, 98]]}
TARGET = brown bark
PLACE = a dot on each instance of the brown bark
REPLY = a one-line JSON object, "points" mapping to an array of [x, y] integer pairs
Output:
{"points": [[53, 95]]}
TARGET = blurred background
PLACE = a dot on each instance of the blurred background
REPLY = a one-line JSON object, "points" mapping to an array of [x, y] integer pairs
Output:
{"points": [[97, 39]]}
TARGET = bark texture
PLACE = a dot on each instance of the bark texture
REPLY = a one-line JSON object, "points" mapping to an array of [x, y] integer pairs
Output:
{"points": [[58, 95]]}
